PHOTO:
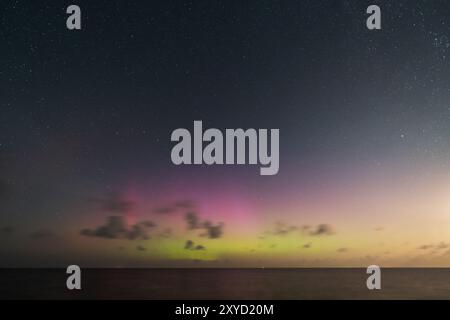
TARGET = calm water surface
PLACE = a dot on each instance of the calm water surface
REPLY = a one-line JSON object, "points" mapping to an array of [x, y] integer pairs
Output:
{"points": [[225, 284]]}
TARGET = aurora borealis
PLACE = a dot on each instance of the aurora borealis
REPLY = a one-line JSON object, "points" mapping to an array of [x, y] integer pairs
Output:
{"points": [[86, 118]]}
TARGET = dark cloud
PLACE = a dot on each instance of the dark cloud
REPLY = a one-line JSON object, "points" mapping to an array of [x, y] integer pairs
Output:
{"points": [[175, 207], [148, 223], [117, 228], [190, 245], [281, 229], [210, 230], [213, 231], [164, 210], [185, 204], [137, 231], [322, 229], [114, 228], [42, 234], [192, 220], [115, 203]]}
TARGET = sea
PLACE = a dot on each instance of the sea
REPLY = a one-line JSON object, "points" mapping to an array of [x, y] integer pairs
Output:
{"points": [[226, 284]]}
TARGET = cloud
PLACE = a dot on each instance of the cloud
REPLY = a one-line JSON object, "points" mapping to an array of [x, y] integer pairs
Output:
{"points": [[148, 223], [190, 245], [322, 229], [115, 203], [192, 220], [185, 204], [138, 231], [213, 231], [114, 228], [164, 210], [42, 234], [439, 246], [281, 229], [175, 207], [117, 228]]}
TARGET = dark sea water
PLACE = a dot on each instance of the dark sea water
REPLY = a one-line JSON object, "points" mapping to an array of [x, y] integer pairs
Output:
{"points": [[225, 284]]}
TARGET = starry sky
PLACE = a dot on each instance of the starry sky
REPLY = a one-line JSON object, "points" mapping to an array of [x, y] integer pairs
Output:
{"points": [[86, 118]]}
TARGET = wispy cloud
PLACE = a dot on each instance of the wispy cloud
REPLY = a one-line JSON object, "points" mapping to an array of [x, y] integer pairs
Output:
{"points": [[114, 202], [116, 228]]}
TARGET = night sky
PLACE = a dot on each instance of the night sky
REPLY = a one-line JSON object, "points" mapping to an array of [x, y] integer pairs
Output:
{"points": [[86, 117]]}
